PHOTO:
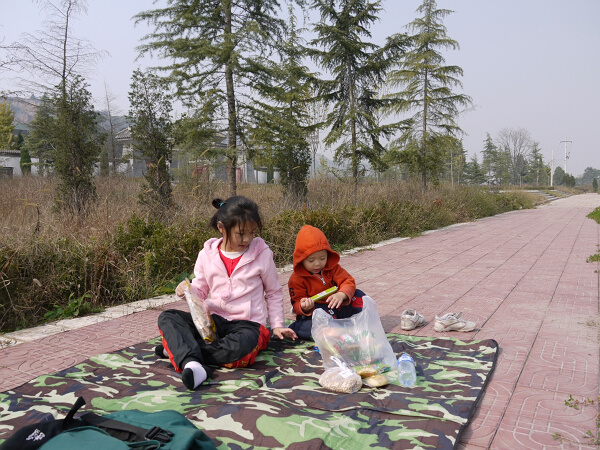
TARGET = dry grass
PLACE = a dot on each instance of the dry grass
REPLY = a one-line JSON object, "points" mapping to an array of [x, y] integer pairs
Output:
{"points": [[54, 265], [27, 204]]}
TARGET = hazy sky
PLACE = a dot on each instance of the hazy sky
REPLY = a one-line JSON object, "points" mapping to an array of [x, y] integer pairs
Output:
{"points": [[529, 64]]}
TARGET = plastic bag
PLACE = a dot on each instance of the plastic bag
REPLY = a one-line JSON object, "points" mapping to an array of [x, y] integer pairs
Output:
{"points": [[201, 316], [340, 378], [359, 341]]}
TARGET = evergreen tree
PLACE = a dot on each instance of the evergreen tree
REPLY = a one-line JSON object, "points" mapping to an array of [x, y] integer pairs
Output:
{"points": [[211, 44], [150, 124], [76, 144], [595, 185], [474, 173], [38, 143], [427, 89], [359, 68], [7, 117], [25, 157], [280, 136], [559, 175], [490, 159], [536, 171]]}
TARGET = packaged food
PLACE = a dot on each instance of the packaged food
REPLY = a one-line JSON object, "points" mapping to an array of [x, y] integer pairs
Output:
{"points": [[340, 378], [201, 316], [376, 381]]}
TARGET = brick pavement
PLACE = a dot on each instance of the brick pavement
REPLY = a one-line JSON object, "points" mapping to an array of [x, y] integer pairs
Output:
{"points": [[522, 276]]}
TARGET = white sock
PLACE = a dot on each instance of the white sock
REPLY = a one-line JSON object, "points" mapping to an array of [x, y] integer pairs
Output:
{"points": [[200, 374]]}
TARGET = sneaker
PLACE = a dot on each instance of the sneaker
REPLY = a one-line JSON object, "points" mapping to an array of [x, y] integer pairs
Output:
{"points": [[411, 319], [452, 322]]}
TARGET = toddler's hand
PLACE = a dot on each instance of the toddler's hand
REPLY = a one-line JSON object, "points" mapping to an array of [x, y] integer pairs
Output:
{"points": [[307, 304], [180, 289], [334, 301], [281, 332]]}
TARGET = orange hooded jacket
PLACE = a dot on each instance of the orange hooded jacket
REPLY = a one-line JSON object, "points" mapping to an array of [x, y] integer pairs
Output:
{"points": [[303, 284]]}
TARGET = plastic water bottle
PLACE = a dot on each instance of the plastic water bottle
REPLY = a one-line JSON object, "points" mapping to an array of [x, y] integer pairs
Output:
{"points": [[406, 370]]}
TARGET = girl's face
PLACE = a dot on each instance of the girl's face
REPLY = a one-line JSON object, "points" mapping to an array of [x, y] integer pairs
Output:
{"points": [[240, 236]]}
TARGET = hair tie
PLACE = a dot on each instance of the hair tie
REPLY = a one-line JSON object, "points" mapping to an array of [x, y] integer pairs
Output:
{"points": [[221, 204]]}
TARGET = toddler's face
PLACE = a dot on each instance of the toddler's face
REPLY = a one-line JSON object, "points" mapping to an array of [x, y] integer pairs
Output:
{"points": [[240, 236], [315, 261]]}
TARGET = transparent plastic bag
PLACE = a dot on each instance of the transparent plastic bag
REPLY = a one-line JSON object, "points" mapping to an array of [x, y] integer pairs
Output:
{"points": [[340, 378], [359, 341], [201, 316]]}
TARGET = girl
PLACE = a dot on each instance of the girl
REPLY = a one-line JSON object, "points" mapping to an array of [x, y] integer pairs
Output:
{"points": [[239, 273]]}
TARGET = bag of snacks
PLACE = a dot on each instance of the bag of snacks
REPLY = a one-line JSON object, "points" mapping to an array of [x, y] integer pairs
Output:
{"points": [[201, 316], [359, 341], [340, 378]]}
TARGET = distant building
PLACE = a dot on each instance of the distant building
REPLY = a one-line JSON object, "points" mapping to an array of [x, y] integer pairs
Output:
{"points": [[134, 164], [10, 163]]}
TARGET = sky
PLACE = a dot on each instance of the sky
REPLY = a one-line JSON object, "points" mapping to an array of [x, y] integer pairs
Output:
{"points": [[530, 64]]}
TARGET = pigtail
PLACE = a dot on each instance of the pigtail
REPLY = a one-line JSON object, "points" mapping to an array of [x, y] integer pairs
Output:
{"points": [[217, 203]]}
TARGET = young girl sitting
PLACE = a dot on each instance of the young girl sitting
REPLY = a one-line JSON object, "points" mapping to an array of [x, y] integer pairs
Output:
{"points": [[239, 273]]}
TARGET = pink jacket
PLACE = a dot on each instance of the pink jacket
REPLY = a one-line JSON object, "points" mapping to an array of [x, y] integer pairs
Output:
{"points": [[241, 296]]}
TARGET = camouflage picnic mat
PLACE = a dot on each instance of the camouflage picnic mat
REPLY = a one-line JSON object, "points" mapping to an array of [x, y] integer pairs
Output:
{"points": [[278, 402]]}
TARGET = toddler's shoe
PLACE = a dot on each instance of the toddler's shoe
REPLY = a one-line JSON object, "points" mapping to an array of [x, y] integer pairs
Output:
{"points": [[411, 319], [452, 322]]}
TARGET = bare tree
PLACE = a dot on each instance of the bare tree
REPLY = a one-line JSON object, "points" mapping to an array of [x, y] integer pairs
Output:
{"points": [[317, 113], [53, 56], [518, 144], [114, 123]]}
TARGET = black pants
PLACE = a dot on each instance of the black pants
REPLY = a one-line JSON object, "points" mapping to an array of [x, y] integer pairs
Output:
{"points": [[303, 324], [236, 339]]}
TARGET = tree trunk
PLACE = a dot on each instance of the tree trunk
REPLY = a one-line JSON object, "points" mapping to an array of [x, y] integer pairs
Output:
{"points": [[231, 113]]}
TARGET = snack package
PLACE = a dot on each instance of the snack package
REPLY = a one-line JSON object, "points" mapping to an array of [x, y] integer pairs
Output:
{"points": [[376, 381], [340, 378], [201, 316], [359, 341]]}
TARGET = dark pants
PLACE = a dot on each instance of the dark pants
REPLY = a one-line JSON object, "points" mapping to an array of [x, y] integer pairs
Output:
{"points": [[236, 339], [303, 324]]}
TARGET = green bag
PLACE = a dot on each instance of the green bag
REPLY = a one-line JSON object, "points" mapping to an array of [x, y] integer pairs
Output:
{"points": [[132, 429]]}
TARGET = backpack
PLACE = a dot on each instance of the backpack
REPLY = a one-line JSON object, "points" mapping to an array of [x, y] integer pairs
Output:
{"points": [[119, 430]]}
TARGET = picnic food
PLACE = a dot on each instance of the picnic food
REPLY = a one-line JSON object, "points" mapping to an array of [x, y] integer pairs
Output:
{"points": [[340, 379], [377, 380], [367, 371], [201, 316]]}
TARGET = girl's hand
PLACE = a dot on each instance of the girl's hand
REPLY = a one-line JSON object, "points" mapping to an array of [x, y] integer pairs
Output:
{"points": [[334, 301], [180, 289], [307, 304], [281, 333]]}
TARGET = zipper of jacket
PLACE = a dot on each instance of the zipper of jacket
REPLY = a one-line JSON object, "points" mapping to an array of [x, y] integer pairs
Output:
{"points": [[320, 278]]}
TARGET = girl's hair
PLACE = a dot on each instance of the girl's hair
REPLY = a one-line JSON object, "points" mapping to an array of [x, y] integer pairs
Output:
{"points": [[235, 211]]}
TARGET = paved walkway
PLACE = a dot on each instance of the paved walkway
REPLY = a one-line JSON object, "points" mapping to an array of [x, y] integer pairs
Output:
{"points": [[522, 276]]}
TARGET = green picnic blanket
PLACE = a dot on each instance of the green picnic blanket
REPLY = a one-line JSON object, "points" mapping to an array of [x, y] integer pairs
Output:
{"points": [[277, 402]]}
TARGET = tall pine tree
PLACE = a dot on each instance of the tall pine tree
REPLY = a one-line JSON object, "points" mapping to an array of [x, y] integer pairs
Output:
{"points": [[211, 45], [358, 68], [427, 85], [150, 124], [280, 136]]}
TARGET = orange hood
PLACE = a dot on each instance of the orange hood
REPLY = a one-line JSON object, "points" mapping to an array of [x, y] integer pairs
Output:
{"points": [[309, 241]]}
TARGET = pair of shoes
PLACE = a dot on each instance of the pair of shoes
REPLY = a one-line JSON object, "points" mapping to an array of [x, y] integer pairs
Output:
{"points": [[452, 322], [411, 319]]}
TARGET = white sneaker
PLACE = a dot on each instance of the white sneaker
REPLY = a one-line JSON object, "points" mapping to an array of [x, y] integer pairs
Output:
{"points": [[452, 322], [411, 319]]}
